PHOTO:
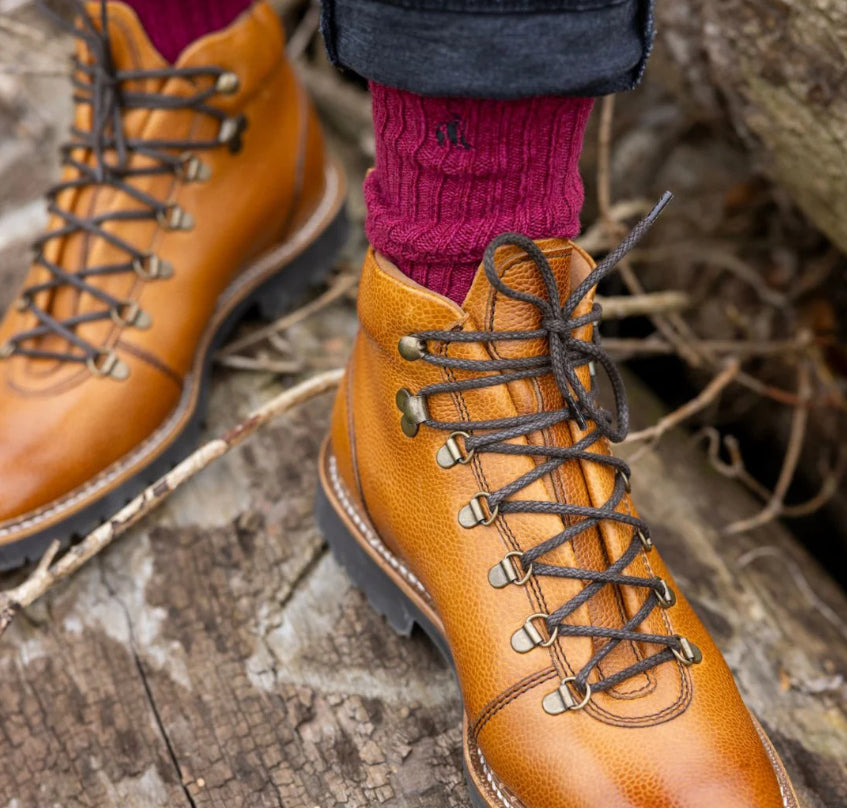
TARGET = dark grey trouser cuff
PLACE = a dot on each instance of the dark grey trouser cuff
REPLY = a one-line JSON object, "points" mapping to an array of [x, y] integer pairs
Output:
{"points": [[492, 49]]}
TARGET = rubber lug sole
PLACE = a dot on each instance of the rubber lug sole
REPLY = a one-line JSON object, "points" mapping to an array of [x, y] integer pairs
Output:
{"points": [[383, 594]]}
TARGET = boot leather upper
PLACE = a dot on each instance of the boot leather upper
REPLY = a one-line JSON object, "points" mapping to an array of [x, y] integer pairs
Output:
{"points": [[672, 736], [62, 428]]}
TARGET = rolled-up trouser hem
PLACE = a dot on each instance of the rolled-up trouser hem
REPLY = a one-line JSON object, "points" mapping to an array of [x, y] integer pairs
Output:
{"points": [[507, 49]]}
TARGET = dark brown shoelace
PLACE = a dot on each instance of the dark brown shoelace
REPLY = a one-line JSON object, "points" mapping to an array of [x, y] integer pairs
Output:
{"points": [[565, 356], [107, 91]]}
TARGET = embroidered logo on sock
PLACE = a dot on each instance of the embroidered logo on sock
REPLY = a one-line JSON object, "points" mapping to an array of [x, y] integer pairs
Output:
{"points": [[452, 131]]}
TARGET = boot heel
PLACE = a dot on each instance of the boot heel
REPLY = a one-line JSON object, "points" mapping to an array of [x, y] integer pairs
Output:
{"points": [[309, 269], [381, 592]]}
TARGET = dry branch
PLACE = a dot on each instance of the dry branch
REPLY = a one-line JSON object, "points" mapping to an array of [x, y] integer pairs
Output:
{"points": [[343, 284], [619, 308], [707, 396], [799, 422], [48, 573]]}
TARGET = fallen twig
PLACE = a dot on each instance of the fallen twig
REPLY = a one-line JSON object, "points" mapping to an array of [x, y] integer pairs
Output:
{"points": [[799, 421], [48, 572], [717, 255], [604, 163], [343, 284], [305, 32], [706, 396], [344, 106], [281, 367], [619, 308], [626, 348], [831, 473], [597, 237], [20, 29]]}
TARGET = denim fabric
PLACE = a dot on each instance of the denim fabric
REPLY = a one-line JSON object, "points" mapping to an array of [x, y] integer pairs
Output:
{"points": [[492, 48]]}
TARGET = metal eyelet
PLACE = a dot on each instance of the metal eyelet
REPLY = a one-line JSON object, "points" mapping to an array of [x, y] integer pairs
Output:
{"points": [[528, 636], [646, 541], [150, 267], [231, 132], [411, 348], [505, 572], [627, 481], [473, 514], [193, 169], [227, 83], [451, 453], [128, 314], [562, 700], [688, 653], [173, 217], [666, 597], [22, 302], [7, 349], [107, 363], [414, 409]]}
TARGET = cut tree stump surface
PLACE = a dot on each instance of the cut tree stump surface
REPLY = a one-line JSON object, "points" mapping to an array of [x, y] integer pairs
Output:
{"points": [[218, 656]]}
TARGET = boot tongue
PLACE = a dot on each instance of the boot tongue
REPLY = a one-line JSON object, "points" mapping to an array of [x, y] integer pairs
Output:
{"points": [[130, 47], [492, 310]]}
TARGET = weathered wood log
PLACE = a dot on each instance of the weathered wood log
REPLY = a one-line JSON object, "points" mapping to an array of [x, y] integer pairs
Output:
{"points": [[217, 655], [780, 69]]}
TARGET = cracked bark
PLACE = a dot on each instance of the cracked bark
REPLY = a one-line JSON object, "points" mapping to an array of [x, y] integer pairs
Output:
{"points": [[145, 684]]}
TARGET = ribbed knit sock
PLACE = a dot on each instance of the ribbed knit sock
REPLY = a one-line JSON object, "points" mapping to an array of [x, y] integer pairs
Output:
{"points": [[172, 25], [453, 173]]}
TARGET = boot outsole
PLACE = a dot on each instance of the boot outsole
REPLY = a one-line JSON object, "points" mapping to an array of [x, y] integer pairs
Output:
{"points": [[386, 598]]}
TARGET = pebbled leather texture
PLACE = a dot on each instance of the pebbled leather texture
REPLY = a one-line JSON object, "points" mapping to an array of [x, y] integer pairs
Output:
{"points": [[674, 737], [63, 429]]}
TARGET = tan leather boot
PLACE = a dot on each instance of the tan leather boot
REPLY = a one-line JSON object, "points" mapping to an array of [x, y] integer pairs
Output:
{"points": [[468, 487], [190, 192]]}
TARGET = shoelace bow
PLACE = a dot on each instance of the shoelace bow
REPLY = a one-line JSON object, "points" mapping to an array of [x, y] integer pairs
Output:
{"points": [[566, 355], [104, 89]]}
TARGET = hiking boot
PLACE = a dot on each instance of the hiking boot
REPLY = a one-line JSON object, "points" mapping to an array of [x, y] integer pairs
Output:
{"points": [[190, 193], [468, 487]]}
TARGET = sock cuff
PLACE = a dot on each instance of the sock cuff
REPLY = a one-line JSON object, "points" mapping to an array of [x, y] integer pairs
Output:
{"points": [[453, 173]]}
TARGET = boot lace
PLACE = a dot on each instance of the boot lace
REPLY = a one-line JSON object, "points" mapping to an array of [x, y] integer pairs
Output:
{"points": [[565, 356], [102, 158]]}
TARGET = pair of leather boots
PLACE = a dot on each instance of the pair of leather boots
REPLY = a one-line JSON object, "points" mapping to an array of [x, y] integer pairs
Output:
{"points": [[467, 482]]}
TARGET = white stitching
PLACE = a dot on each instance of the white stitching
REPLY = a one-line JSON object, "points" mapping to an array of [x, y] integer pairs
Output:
{"points": [[507, 801], [788, 799], [365, 529], [340, 490]]}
